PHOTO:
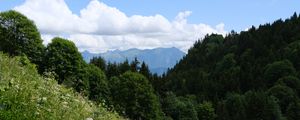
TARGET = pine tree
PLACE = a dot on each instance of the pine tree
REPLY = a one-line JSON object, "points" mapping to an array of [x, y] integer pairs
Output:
{"points": [[144, 70], [134, 65]]}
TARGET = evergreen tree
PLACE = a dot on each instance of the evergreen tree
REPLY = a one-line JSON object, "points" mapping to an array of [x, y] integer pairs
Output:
{"points": [[124, 67], [144, 70], [134, 65], [99, 62], [112, 70]]}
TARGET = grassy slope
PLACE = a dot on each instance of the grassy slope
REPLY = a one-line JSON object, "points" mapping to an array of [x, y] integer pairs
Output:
{"points": [[26, 95]]}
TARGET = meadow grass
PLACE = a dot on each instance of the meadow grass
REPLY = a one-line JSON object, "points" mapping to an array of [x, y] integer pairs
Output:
{"points": [[24, 94]]}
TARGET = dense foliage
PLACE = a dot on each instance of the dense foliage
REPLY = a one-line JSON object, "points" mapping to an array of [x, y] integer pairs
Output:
{"points": [[63, 58], [249, 75], [133, 94], [19, 36]]}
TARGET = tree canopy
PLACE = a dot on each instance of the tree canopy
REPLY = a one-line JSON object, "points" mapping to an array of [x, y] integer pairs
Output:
{"points": [[63, 58], [133, 95], [20, 36]]}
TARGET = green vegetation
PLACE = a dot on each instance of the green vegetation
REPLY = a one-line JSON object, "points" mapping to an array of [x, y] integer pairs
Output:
{"points": [[98, 86], [251, 75], [19, 36], [134, 96], [27, 95], [63, 58]]}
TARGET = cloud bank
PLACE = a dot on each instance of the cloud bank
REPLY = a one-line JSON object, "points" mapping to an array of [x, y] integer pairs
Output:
{"points": [[99, 27]]}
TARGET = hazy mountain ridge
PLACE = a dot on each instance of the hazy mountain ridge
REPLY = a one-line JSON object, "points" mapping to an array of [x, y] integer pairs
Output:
{"points": [[164, 57]]}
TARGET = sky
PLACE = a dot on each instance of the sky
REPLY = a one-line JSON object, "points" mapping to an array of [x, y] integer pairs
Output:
{"points": [[101, 25]]}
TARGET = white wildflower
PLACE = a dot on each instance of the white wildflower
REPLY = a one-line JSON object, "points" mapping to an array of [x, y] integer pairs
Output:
{"points": [[44, 98], [36, 113]]}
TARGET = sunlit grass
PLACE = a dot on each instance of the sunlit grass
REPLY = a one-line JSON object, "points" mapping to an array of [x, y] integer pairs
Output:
{"points": [[24, 94]]}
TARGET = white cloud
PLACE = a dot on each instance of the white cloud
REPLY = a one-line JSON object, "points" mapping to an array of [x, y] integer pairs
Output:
{"points": [[181, 17], [100, 27], [47, 38], [51, 16]]}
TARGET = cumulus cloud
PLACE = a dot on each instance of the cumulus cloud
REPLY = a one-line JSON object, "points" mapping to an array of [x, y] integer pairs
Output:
{"points": [[51, 16], [99, 27]]}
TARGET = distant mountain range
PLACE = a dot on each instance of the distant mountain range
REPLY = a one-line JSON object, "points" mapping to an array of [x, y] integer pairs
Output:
{"points": [[158, 59]]}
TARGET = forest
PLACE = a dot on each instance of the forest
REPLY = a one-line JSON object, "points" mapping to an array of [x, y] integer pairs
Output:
{"points": [[250, 75]]}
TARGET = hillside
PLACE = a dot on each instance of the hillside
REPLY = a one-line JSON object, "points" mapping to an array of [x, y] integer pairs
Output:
{"points": [[241, 70], [71, 88], [158, 59], [27, 95], [249, 53], [251, 75]]}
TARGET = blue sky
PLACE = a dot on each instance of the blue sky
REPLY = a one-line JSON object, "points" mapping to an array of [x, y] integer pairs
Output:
{"points": [[234, 14]]}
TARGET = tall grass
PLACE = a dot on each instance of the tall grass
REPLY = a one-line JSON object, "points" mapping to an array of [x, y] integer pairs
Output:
{"points": [[24, 94]]}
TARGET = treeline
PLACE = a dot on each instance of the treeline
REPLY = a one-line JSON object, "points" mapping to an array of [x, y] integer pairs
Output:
{"points": [[252, 75]]}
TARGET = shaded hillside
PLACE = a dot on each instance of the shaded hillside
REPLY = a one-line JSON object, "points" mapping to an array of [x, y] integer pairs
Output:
{"points": [[249, 53], [261, 62]]}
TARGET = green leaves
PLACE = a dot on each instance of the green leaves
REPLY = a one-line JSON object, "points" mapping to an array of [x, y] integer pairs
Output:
{"points": [[253, 105], [98, 84], [19, 36], [277, 70], [284, 94], [133, 95], [63, 58], [206, 111]]}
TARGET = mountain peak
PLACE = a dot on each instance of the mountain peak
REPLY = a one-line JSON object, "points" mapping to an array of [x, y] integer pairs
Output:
{"points": [[164, 57]]}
